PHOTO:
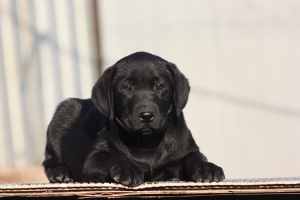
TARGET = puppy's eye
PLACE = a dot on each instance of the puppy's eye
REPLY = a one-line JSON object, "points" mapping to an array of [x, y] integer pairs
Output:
{"points": [[127, 87], [160, 86]]}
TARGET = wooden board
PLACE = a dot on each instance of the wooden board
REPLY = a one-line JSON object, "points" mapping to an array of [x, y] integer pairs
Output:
{"points": [[154, 189]]}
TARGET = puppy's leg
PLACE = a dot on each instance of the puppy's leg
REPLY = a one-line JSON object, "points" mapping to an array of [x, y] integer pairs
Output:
{"points": [[62, 123], [107, 167], [199, 170]]}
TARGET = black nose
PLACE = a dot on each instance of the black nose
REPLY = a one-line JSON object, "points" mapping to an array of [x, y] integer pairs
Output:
{"points": [[146, 116]]}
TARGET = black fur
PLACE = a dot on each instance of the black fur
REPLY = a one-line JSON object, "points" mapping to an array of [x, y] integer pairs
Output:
{"points": [[132, 130]]}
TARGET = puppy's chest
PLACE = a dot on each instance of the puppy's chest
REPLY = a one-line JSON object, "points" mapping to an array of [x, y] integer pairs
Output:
{"points": [[151, 161]]}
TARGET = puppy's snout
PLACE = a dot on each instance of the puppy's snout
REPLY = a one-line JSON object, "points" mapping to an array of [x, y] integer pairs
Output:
{"points": [[146, 116]]}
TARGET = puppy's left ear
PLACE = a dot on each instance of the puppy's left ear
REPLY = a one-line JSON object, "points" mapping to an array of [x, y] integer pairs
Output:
{"points": [[181, 89], [102, 93]]}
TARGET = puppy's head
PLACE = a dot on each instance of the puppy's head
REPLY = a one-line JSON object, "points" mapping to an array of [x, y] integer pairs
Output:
{"points": [[141, 92]]}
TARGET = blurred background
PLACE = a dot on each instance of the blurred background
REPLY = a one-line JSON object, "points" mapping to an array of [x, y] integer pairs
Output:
{"points": [[242, 58]]}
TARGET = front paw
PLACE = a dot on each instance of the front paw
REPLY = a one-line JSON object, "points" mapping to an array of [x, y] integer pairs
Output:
{"points": [[59, 174], [127, 175], [206, 172]]}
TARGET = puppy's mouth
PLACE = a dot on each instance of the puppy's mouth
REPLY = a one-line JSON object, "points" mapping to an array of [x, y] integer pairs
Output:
{"points": [[143, 131], [146, 131]]}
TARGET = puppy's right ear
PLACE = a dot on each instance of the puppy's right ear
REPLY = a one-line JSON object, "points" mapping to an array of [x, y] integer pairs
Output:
{"points": [[102, 93]]}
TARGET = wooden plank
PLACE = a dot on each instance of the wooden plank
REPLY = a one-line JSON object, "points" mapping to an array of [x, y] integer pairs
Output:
{"points": [[155, 189]]}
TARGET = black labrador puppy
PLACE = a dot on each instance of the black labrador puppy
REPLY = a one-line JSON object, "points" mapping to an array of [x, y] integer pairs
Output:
{"points": [[132, 130]]}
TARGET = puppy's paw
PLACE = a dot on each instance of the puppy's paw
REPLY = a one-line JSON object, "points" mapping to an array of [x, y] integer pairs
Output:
{"points": [[206, 172], [131, 176], [59, 174]]}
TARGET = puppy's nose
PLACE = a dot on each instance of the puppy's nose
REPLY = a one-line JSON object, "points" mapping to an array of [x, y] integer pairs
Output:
{"points": [[146, 116]]}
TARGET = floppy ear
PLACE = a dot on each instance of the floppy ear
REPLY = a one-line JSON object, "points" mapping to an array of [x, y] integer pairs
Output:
{"points": [[181, 89], [102, 93]]}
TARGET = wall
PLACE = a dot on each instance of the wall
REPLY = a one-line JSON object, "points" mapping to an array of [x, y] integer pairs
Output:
{"points": [[241, 57]]}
